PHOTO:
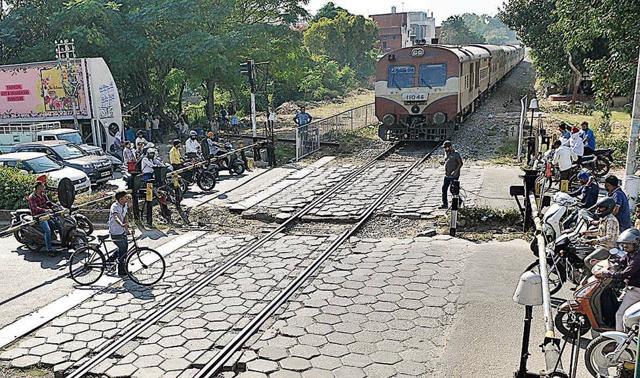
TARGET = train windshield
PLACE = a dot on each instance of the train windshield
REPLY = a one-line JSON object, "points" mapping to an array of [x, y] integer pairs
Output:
{"points": [[433, 75], [401, 77]]}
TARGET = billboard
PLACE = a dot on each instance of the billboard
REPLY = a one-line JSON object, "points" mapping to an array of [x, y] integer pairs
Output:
{"points": [[43, 91]]}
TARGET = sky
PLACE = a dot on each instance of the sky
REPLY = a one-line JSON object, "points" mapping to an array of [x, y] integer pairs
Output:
{"points": [[441, 8]]}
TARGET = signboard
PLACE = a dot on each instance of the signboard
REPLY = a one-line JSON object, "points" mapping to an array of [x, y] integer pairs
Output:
{"points": [[42, 91]]}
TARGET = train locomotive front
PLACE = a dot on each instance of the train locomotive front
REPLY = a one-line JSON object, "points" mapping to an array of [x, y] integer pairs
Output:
{"points": [[423, 92]]}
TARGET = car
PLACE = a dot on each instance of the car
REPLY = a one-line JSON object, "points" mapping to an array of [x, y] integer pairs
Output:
{"points": [[98, 168], [73, 136], [37, 163]]}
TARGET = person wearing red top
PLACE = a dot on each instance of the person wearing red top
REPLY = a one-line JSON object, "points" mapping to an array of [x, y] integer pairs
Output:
{"points": [[39, 204]]}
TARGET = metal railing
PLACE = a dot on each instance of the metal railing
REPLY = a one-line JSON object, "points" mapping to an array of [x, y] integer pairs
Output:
{"points": [[309, 137]]}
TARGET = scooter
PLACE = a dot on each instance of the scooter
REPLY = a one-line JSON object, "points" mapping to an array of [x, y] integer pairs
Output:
{"points": [[24, 215], [594, 303], [615, 350], [234, 164], [32, 236]]}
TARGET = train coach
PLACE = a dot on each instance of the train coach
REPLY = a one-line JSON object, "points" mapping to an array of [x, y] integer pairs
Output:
{"points": [[424, 91]]}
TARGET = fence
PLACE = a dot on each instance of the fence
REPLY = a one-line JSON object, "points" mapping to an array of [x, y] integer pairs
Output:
{"points": [[309, 137]]}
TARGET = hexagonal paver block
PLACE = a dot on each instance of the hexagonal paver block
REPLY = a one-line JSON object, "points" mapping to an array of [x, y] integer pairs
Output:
{"points": [[313, 340], [410, 368], [319, 329], [148, 350], [317, 373], [387, 358], [295, 364], [172, 341], [121, 370], [273, 353], [292, 331], [43, 349], [326, 362], [341, 338], [263, 366], [171, 331], [149, 372], [334, 350], [390, 346], [25, 361], [173, 364], [174, 352], [148, 361], [380, 371], [304, 351], [348, 372], [357, 360], [55, 358]]}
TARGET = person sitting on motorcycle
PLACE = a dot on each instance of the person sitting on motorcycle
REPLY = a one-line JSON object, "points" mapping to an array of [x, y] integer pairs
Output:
{"points": [[175, 157], [628, 241], [588, 191], [39, 204], [148, 163], [605, 237], [214, 148], [192, 146]]}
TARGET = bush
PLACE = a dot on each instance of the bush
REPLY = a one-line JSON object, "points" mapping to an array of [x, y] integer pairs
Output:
{"points": [[15, 186]]}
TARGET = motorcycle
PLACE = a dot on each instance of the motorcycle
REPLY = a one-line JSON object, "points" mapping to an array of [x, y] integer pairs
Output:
{"points": [[234, 164], [565, 260], [32, 236], [594, 303], [24, 216], [205, 176], [615, 349], [599, 163]]}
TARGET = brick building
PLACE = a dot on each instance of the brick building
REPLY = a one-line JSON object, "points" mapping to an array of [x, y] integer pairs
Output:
{"points": [[402, 29]]}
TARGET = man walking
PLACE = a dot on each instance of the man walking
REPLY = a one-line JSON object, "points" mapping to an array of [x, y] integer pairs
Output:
{"points": [[622, 210], [118, 230], [452, 165]]}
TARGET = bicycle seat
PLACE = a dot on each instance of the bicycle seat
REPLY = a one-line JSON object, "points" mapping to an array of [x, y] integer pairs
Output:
{"points": [[103, 237]]}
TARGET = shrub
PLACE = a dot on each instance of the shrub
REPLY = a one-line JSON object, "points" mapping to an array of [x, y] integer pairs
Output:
{"points": [[14, 186]]}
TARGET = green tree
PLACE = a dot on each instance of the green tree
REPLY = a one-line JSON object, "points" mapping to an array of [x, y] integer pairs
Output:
{"points": [[456, 32], [329, 10], [347, 39]]}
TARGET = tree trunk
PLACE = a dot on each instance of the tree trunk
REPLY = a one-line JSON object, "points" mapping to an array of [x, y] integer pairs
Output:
{"points": [[210, 107], [180, 94], [578, 78]]}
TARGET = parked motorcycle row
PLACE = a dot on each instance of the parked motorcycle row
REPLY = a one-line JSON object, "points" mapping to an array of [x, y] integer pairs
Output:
{"points": [[598, 165], [593, 304]]}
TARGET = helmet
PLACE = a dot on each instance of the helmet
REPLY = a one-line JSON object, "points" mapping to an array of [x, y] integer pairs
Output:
{"points": [[584, 176], [193, 133], [630, 236], [608, 203], [151, 151]]}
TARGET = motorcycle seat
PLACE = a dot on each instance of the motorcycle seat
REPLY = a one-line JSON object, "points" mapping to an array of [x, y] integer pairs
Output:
{"points": [[103, 237]]}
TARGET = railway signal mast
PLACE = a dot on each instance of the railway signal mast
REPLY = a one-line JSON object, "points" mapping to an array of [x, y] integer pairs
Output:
{"points": [[249, 69]]}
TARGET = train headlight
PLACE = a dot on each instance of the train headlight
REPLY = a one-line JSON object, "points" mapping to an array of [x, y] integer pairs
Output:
{"points": [[439, 118], [415, 109], [389, 120]]}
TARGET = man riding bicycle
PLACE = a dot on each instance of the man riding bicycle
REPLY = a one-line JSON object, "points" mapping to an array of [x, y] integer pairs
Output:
{"points": [[119, 229]]}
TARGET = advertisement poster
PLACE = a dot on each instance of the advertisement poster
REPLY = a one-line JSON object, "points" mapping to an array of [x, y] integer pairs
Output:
{"points": [[41, 91]]}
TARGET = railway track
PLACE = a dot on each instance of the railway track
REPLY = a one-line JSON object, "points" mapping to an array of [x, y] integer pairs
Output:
{"points": [[288, 278]]}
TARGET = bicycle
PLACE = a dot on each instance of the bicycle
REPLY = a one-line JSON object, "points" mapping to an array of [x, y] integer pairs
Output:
{"points": [[144, 266]]}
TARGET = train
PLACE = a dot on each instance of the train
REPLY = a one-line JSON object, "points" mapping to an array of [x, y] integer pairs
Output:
{"points": [[424, 92]]}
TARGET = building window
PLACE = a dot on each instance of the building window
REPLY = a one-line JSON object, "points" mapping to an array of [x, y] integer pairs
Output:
{"points": [[433, 75], [401, 77]]}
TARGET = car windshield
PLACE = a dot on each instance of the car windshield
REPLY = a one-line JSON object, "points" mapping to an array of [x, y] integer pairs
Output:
{"points": [[73, 137], [41, 165], [67, 151]]}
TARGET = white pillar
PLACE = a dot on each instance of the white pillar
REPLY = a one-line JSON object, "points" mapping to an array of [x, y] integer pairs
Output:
{"points": [[630, 185]]}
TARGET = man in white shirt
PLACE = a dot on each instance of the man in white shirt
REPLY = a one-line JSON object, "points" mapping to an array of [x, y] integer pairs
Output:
{"points": [[118, 229], [192, 146], [155, 125], [576, 143], [148, 163], [563, 158]]}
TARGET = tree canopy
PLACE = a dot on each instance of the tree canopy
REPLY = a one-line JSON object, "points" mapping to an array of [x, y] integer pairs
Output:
{"points": [[598, 40], [162, 49], [456, 32]]}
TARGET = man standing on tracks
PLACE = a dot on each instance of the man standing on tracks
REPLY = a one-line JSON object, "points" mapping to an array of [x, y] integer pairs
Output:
{"points": [[452, 165], [118, 230]]}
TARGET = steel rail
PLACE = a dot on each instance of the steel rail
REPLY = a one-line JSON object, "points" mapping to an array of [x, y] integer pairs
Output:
{"points": [[153, 316], [218, 361]]}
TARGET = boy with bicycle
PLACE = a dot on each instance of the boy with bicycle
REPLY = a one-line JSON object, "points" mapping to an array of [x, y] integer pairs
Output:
{"points": [[118, 229]]}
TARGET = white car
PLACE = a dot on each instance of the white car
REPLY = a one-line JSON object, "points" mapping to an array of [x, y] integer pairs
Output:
{"points": [[37, 163]]}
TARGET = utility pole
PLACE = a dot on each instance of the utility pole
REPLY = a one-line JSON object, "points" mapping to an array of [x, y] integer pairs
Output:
{"points": [[631, 181], [249, 69], [66, 53]]}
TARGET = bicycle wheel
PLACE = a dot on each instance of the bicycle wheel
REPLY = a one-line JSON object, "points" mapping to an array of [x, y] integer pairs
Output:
{"points": [[86, 265], [145, 266]]}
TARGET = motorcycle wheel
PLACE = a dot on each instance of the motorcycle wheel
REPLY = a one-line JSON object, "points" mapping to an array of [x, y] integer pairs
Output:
{"points": [[563, 321], [555, 279], [238, 168], [206, 181], [84, 224], [601, 167], [18, 235], [595, 356]]}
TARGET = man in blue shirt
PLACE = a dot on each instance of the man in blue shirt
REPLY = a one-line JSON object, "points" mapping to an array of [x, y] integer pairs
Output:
{"points": [[564, 132], [588, 192], [589, 138], [622, 210], [302, 118]]}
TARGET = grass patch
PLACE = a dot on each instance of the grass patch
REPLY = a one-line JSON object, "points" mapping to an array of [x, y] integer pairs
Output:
{"points": [[285, 152], [482, 224], [507, 153], [356, 140]]}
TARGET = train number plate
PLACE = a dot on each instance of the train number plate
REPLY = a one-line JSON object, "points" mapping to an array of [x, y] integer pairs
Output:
{"points": [[415, 97]]}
